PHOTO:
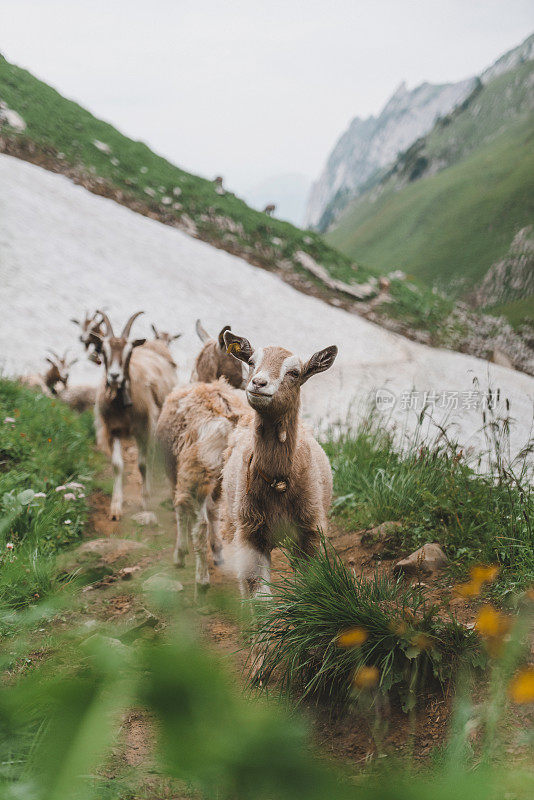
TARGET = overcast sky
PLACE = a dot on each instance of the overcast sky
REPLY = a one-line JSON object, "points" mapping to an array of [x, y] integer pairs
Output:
{"points": [[251, 89]]}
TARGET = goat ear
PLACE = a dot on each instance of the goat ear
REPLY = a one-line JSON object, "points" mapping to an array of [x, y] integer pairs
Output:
{"points": [[50, 361], [76, 321], [154, 329], [138, 342], [202, 333], [319, 362], [238, 346], [221, 337]]}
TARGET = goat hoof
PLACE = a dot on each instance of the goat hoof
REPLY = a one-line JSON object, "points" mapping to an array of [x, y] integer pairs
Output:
{"points": [[114, 515], [179, 560], [202, 589], [145, 518]]}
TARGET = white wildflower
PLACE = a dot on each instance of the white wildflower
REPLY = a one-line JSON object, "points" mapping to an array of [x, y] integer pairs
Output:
{"points": [[9, 545]]}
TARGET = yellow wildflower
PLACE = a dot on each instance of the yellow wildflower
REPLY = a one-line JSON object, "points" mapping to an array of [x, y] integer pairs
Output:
{"points": [[354, 637], [492, 626], [366, 677], [484, 574], [521, 688], [467, 590]]}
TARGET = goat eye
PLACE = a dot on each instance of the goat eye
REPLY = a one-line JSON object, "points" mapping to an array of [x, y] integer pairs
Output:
{"points": [[293, 372]]}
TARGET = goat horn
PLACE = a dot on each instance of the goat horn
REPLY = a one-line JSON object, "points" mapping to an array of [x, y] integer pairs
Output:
{"points": [[154, 329], [126, 330], [105, 319], [202, 333], [53, 353]]}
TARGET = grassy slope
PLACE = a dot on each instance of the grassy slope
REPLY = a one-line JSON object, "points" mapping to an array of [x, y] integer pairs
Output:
{"points": [[45, 446], [450, 227], [55, 122]]}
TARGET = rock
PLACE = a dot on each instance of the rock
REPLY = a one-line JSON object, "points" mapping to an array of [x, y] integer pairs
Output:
{"points": [[381, 532], [99, 558], [166, 200], [11, 118], [427, 559], [177, 191], [107, 642], [162, 583], [102, 146], [384, 284], [149, 191], [499, 357], [137, 625]]}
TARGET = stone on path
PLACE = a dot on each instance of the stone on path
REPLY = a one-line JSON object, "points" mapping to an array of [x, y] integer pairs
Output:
{"points": [[162, 583], [426, 560]]}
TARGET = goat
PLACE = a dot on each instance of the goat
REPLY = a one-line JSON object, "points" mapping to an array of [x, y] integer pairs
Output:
{"points": [[80, 398], [269, 209], [213, 361], [192, 432], [138, 377], [57, 373], [163, 336], [277, 480], [91, 335], [218, 181]]}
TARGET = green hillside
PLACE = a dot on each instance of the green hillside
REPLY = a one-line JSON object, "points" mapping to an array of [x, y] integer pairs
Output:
{"points": [[451, 205], [61, 135]]}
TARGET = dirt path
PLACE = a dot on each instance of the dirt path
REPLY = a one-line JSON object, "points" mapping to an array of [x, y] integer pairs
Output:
{"points": [[117, 598]]}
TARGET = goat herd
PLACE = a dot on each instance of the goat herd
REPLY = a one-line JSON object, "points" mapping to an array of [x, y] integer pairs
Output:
{"points": [[241, 470]]}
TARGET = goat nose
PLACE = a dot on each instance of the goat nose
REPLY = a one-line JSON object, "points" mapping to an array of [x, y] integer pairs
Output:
{"points": [[259, 381], [114, 376]]}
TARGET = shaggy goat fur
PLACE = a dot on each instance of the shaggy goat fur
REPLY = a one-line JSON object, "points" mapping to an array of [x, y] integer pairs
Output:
{"points": [[277, 480], [193, 431]]}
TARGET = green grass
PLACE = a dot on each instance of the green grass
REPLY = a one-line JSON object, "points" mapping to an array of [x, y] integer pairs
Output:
{"points": [[448, 229], [46, 446], [297, 632], [58, 123], [429, 487], [517, 312]]}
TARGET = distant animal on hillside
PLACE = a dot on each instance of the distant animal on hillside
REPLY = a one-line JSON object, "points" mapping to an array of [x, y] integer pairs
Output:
{"points": [[213, 361], [80, 398], [269, 209], [138, 377], [277, 480], [218, 181], [91, 334], [163, 336], [56, 375]]}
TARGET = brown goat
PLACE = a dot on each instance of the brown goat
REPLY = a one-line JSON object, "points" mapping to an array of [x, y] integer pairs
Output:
{"points": [[91, 335], [139, 375], [277, 480], [57, 373], [269, 209], [192, 431], [213, 362], [163, 336]]}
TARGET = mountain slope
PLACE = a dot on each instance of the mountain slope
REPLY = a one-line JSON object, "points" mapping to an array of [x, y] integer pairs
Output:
{"points": [[64, 249], [451, 205], [370, 144]]}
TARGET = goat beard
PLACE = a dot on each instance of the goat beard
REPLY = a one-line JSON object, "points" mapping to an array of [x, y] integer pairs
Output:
{"points": [[121, 392]]}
